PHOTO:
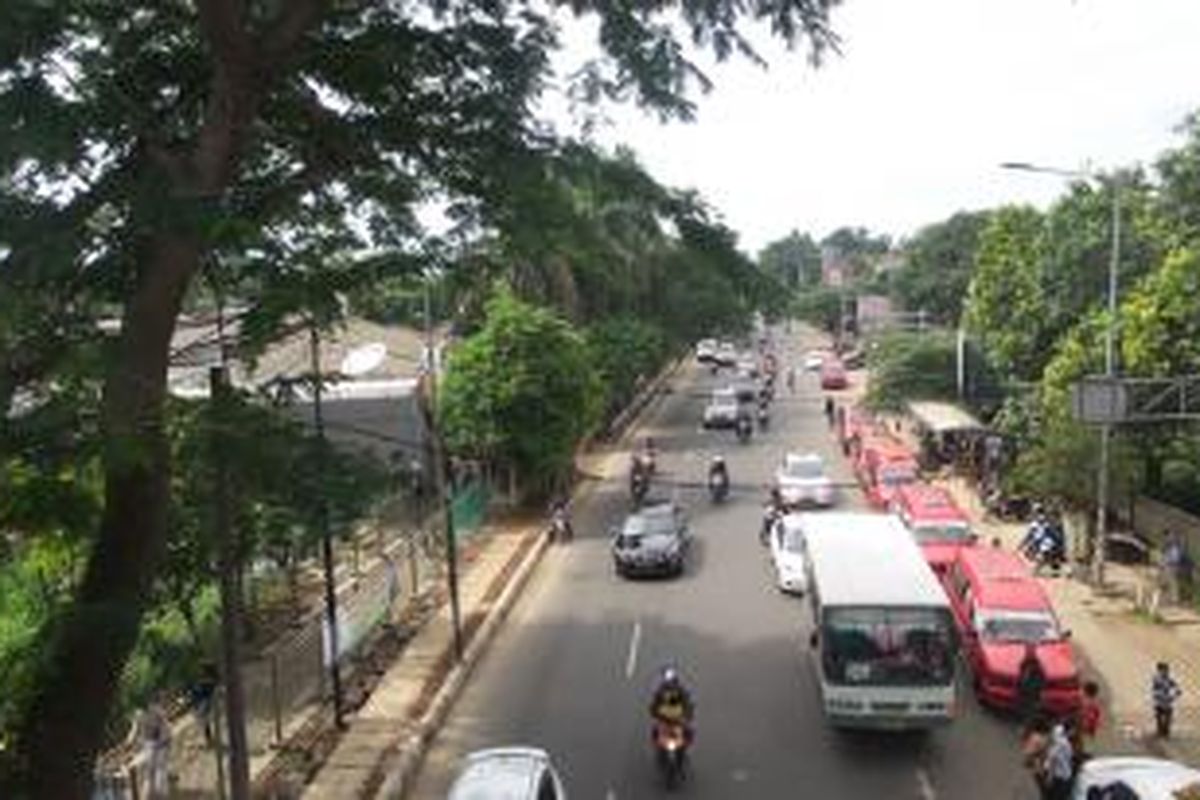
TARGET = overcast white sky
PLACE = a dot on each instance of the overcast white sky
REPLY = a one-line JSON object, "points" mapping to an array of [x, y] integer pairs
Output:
{"points": [[928, 97]]}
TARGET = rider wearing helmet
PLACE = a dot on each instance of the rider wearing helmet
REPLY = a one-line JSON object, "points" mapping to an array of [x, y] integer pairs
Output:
{"points": [[672, 702], [718, 467]]}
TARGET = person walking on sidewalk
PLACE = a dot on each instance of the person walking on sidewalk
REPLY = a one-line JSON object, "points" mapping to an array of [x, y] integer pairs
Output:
{"points": [[1089, 717], [1164, 691], [152, 733], [1031, 680], [1172, 560]]}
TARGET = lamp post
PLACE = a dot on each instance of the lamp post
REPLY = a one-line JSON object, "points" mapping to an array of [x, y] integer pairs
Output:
{"points": [[1110, 367]]}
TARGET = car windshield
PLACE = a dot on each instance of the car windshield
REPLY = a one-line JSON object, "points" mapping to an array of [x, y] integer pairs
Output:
{"points": [[887, 647], [791, 540], [948, 533], [897, 475], [1017, 626], [803, 468]]}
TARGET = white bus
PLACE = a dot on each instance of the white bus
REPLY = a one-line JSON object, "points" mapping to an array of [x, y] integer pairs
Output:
{"points": [[883, 643]]}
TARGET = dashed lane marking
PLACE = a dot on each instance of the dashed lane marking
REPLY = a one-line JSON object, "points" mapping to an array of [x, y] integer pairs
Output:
{"points": [[635, 641], [925, 785]]}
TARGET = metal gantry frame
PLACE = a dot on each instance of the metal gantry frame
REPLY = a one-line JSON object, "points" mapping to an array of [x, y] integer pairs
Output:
{"points": [[1103, 400]]}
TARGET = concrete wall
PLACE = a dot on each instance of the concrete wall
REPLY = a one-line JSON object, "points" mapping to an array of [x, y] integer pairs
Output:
{"points": [[1151, 518]]}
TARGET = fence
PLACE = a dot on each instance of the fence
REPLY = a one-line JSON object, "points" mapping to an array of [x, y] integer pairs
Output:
{"points": [[287, 681]]}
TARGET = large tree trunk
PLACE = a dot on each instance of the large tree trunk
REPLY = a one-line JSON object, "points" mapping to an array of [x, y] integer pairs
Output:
{"points": [[64, 727]]}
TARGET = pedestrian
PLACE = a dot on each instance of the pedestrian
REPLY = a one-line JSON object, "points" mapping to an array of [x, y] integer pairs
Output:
{"points": [[1090, 715], [1035, 741], [1164, 691], [1059, 769], [791, 380], [1172, 559], [152, 734], [200, 699], [1031, 680], [829, 410]]}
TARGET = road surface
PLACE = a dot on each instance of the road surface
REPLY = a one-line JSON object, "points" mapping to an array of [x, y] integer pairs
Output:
{"points": [[573, 667]]}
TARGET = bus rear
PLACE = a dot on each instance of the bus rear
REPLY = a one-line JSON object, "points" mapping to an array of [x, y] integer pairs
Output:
{"points": [[883, 640]]}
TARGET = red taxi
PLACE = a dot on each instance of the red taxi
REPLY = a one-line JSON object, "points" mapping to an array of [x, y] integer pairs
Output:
{"points": [[1000, 608], [936, 522], [884, 465], [833, 375]]}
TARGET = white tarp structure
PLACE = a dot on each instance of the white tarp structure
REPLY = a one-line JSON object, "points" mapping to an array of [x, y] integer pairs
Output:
{"points": [[939, 418]]}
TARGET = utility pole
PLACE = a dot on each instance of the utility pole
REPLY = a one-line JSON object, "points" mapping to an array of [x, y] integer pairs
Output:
{"points": [[1110, 372], [442, 476], [335, 674], [231, 595]]}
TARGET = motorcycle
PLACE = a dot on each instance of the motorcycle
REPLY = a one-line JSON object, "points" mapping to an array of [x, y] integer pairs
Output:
{"points": [[745, 428], [718, 486], [639, 485], [764, 417], [560, 527], [670, 748]]}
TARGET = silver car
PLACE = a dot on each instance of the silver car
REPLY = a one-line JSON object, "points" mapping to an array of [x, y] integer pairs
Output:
{"points": [[722, 410], [508, 773], [802, 481]]}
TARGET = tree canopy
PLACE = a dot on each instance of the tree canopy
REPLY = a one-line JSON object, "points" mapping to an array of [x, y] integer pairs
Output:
{"points": [[269, 145]]}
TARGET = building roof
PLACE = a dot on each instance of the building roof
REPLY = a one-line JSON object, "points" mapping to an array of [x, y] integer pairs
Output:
{"points": [[861, 559], [943, 417]]}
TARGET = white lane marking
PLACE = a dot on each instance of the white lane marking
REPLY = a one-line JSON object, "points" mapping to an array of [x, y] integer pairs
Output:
{"points": [[610, 795], [925, 785], [635, 641]]}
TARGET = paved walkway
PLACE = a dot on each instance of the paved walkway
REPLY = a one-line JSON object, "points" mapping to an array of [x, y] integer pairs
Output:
{"points": [[388, 716]]}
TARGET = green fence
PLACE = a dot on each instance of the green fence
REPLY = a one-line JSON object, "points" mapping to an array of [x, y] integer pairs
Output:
{"points": [[468, 509]]}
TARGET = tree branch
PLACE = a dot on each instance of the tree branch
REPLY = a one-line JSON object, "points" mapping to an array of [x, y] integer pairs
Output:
{"points": [[280, 41]]}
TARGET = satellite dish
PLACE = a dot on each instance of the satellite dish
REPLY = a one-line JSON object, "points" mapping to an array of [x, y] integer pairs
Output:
{"points": [[362, 360]]}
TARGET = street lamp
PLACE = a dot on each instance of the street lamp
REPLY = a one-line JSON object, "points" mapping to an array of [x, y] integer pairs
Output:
{"points": [[1110, 369]]}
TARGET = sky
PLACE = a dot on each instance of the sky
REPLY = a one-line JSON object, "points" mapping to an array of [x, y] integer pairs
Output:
{"points": [[910, 123]]}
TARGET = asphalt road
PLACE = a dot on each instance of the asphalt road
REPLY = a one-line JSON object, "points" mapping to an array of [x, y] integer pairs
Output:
{"points": [[573, 667]]}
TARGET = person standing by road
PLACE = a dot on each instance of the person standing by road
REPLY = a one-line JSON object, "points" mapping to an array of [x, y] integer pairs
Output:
{"points": [[1059, 768], [1172, 559], [1089, 717], [152, 733], [1031, 680], [1164, 691]]}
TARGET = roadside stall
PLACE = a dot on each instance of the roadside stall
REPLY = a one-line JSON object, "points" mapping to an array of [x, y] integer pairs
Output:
{"points": [[948, 436]]}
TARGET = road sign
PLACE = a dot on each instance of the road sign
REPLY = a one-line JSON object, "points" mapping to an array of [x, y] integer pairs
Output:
{"points": [[1100, 400]]}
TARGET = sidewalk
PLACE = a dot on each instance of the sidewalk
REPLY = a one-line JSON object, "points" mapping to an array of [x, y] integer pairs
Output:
{"points": [[404, 695], [1119, 640]]}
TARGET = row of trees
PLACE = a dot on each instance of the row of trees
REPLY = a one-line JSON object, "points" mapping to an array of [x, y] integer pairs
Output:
{"points": [[1030, 289], [277, 154]]}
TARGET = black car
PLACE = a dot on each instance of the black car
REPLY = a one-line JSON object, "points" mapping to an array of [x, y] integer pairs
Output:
{"points": [[652, 541]]}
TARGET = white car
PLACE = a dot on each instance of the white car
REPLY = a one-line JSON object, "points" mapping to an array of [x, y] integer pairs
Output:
{"points": [[722, 410], [747, 365], [787, 554], [706, 349], [508, 773], [814, 360], [726, 355], [1149, 778], [802, 481]]}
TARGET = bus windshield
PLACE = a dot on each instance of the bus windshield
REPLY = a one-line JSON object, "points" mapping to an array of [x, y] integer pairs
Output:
{"points": [[887, 647], [948, 533]]}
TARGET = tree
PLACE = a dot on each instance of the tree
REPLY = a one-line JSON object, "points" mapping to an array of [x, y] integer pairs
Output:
{"points": [[858, 247], [521, 392], [938, 264], [142, 141], [1006, 308], [794, 260]]}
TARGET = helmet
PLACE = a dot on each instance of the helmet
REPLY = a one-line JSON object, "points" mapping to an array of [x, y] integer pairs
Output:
{"points": [[718, 459], [670, 676]]}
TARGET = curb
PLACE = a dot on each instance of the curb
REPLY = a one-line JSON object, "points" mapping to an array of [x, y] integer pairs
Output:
{"points": [[412, 750], [400, 770]]}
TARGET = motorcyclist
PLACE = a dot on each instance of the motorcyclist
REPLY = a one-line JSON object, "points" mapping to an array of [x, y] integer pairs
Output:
{"points": [[745, 425], [1031, 541], [672, 703], [560, 520], [646, 455], [718, 476], [772, 512], [639, 480]]}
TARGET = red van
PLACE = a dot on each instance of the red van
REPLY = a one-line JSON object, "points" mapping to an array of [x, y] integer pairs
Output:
{"points": [[883, 466], [1000, 608], [936, 522], [833, 375]]}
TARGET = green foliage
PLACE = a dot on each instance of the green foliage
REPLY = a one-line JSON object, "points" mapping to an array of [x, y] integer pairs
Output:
{"points": [[1006, 307], [1160, 319], [794, 260], [912, 366], [859, 248], [821, 306], [624, 351], [521, 391], [938, 264]]}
